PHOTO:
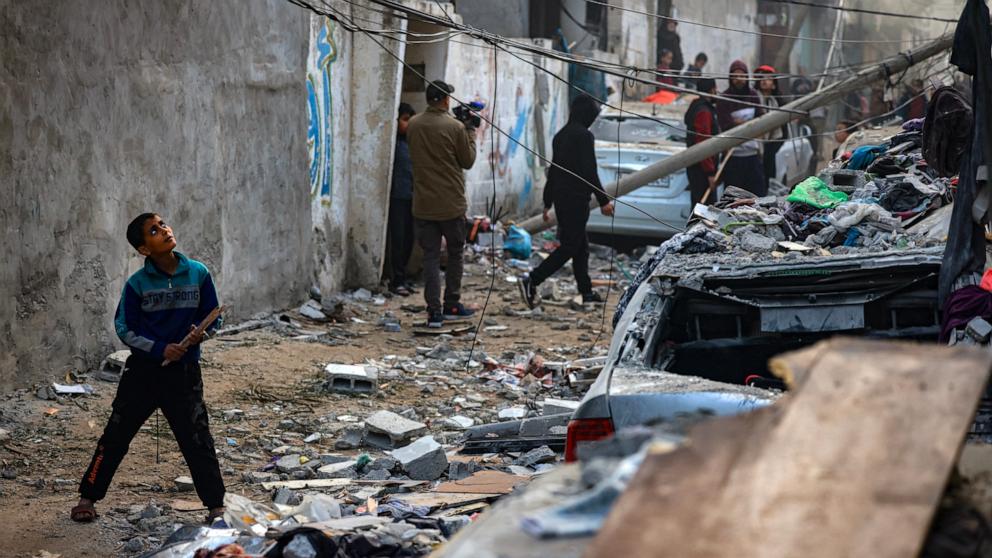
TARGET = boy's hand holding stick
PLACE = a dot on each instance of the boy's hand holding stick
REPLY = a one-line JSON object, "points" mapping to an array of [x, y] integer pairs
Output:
{"points": [[196, 333]]}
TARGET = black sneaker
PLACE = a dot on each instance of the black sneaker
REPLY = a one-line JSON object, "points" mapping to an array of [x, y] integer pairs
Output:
{"points": [[435, 320], [592, 298], [457, 311], [527, 290]]}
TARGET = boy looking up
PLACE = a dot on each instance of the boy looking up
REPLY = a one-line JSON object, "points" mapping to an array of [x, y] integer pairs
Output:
{"points": [[159, 307]]}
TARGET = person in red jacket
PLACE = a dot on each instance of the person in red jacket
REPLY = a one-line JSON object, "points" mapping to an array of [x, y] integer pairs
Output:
{"points": [[701, 124]]}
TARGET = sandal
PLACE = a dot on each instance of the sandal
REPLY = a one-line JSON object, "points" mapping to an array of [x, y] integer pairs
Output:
{"points": [[83, 513]]}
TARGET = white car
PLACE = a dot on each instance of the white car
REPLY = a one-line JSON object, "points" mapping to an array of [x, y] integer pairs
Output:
{"points": [[645, 140]]}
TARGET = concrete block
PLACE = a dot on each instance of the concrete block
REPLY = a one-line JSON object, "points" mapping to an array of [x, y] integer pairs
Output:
{"points": [[387, 430], [341, 470], [457, 422], [979, 330], [350, 378], [513, 413], [559, 406], [536, 456], [288, 463], [384, 463], [424, 459], [458, 470], [184, 484], [113, 366], [256, 477], [349, 438]]}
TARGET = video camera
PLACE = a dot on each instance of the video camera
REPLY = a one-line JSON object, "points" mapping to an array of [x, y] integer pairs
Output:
{"points": [[468, 114]]}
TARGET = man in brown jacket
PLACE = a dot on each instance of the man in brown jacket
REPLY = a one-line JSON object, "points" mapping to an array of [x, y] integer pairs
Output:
{"points": [[440, 148]]}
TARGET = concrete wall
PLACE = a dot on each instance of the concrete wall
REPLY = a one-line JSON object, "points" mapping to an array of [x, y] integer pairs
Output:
{"points": [[107, 109], [509, 18], [353, 92], [722, 47]]}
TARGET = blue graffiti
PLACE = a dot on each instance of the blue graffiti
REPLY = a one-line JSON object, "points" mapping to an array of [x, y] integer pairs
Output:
{"points": [[319, 133]]}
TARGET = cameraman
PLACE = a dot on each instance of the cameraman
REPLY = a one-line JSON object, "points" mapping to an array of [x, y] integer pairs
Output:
{"points": [[440, 147]]}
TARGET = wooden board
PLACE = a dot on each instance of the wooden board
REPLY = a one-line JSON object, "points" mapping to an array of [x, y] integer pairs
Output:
{"points": [[442, 330], [434, 500], [335, 483], [483, 482], [853, 463]]}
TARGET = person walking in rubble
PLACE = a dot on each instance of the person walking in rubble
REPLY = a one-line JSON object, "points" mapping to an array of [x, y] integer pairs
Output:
{"points": [[399, 230], [573, 178], [441, 148], [744, 169], [701, 124]]}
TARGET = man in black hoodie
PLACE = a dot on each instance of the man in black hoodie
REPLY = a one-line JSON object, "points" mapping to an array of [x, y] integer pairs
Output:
{"points": [[574, 152]]}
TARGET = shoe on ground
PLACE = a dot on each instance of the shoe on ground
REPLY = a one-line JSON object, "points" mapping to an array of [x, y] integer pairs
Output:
{"points": [[435, 320], [528, 291], [592, 298], [400, 290], [457, 312]]}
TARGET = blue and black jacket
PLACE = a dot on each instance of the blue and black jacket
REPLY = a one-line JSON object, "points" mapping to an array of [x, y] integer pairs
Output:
{"points": [[157, 308]]}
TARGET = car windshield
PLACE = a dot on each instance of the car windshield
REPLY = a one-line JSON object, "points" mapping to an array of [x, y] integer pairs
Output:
{"points": [[635, 129]]}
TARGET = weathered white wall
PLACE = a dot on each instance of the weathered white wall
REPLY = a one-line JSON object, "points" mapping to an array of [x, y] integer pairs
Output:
{"points": [[111, 108], [722, 47], [353, 93], [530, 105]]}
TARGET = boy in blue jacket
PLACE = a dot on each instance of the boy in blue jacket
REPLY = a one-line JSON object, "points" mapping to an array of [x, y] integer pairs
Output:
{"points": [[160, 305]]}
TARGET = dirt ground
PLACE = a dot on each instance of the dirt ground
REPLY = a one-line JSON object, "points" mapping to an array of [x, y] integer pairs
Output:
{"points": [[272, 378]]}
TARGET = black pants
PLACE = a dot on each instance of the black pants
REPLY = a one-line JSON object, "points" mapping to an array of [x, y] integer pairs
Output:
{"points": [[768, 159], [429, 235], [698, 183], [748, 173], [177, 389], [572, 219], [399, 232]]}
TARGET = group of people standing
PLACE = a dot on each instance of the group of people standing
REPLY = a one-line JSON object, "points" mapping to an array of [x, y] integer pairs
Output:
{"points": [[751, 164]]}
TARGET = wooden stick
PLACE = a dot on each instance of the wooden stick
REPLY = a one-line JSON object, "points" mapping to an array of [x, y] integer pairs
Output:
{"points": [[188, 340], [716, 178]]}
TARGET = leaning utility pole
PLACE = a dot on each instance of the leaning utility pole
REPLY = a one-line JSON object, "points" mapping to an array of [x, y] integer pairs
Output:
{"points": [[762, 125]]}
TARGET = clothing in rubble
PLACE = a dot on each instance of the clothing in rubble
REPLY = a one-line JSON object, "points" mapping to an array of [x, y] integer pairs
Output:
{"points": [[574, 150], [745, 168], [701, 124], [962, 306], [965, 250]]}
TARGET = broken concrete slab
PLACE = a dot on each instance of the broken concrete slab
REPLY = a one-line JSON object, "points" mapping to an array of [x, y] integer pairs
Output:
{"points": [[457, 422], [113, 366], [558, 406], [350, 438], [543, 454], [424, 459], [289, 463], [313, 310], [351, 378], [255, 477], [184, 483], [512, 413], [544, 426], [342, 469], [458, 470], [388, 430]]}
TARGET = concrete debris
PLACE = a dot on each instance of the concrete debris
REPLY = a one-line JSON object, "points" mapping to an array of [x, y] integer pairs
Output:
{"points": [[351, 378], [979, 330], [558, 406], [388, 430], [343, 469], [112, 367], [183, 484], [512, 413], [285, 497], [350, 438], [313, 310], [424, 459], [536, 456], [457, 422]]}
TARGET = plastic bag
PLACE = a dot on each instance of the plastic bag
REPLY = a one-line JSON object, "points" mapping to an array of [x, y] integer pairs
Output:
{"points": [[518, 243], [816, 193]]}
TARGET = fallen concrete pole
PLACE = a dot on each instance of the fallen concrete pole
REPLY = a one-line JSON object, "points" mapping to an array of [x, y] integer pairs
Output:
{"points": [[760, 126]]}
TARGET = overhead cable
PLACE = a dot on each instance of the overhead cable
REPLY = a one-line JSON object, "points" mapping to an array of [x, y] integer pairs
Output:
{"points": [[866, 11]]}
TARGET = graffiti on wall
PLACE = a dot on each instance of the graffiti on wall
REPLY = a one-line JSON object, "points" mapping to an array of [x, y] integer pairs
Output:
{"points": [[504, 150], [321, 114]]}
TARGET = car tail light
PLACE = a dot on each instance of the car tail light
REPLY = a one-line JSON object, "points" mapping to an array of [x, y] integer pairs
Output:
{"points": [[585, 430]]}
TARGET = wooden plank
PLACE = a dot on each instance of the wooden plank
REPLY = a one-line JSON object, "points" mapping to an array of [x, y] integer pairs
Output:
{"points": [[483, 482], [853, 463], [456, 330], [335, 483], [434, 500]]}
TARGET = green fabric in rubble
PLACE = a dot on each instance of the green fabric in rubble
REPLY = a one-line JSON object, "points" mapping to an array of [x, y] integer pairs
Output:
{"points": [[815, 192]]}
